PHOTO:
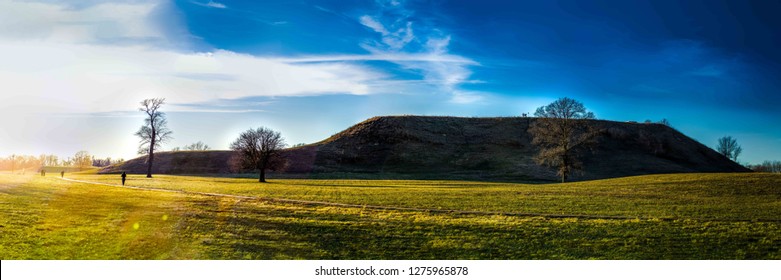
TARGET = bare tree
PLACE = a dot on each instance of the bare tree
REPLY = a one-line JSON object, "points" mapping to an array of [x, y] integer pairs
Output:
{"points": [[21, 162], [154, 132], [82, 159], [729, 147], [51, 160], [562, 131], [767, 166], [197, 146], [102, 162], [258, 149]]}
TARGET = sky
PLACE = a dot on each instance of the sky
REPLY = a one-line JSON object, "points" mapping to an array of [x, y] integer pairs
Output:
{"points": [[72, 73]]}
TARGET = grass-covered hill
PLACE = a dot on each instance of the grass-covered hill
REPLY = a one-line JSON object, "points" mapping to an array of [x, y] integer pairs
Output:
{"points": [[465, 148], [182, 162]]}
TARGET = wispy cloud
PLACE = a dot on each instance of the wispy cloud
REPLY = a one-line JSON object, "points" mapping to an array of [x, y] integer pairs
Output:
{"points": [[422, 48], [58, 60], [216, 5], [374, 25], [394, 40], [106, 57], [465, 97], [393, 57], [106, 23], [321, 8], [211, 4]]}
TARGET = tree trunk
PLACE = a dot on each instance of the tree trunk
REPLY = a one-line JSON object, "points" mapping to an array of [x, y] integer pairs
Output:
{"points": [[151, 155], [262, 176], [563, 167], [149, 164]]}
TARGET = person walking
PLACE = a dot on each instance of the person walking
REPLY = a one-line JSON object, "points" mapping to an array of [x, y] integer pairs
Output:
{"points": [[124, 175], [62, 174]]}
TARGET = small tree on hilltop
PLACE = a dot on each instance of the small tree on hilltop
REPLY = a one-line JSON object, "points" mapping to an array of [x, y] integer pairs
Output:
{"points": [[197, 146], [562, 131], [729, 147], [258, 149]]}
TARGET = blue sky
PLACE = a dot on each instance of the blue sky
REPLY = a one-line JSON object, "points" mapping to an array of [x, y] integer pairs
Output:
{"points": [[72, 74]]}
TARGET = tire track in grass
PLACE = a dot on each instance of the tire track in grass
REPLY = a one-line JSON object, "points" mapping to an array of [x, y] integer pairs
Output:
{"points": [[430, 210]]}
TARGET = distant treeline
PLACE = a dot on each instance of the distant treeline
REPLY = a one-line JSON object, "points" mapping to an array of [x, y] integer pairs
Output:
{"points": [[82, 159], [767, 166]]}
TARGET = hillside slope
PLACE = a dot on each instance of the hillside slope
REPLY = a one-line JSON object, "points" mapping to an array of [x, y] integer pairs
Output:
{"points": [[466, 148]]}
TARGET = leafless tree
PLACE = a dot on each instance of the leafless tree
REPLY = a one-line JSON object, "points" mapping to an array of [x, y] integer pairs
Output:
{"points": [[767, 166], [104, 162], [50, 160], [154, 132], [729, 147], [82, 159], [197, 146], [258, 149], [562, 131], [20, 162]]}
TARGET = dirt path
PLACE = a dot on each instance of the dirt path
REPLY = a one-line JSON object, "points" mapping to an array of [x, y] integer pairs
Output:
{"points": [[380, 207]]}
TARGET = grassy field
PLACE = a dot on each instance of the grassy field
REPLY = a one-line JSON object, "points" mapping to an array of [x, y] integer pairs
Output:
{"points": [[684, 216]]}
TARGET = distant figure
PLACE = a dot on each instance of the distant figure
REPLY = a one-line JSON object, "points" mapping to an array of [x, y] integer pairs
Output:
{"points": [[124, 175], [62, 174], [43, 173]]}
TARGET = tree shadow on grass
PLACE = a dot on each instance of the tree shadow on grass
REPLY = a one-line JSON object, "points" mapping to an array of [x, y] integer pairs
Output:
{"points": [[257, 230]]}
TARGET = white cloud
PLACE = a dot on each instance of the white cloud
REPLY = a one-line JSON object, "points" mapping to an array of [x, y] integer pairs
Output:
{"points": [[464, 97], [431, 58], [394, 40], [105, 78], [61, 60], [211, 4], [385, 56], [438, 45], [99, 23], [106, 57], [216, 5], [374, 25]]}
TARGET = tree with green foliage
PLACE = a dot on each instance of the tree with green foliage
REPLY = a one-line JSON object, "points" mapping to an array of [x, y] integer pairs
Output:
{"points": [[729, 147], [258, 149], [562, 131], [154, 132]]}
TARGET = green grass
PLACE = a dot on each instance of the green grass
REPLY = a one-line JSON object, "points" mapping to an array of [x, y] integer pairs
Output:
{"points": [[741, 196], [715, 216]]}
